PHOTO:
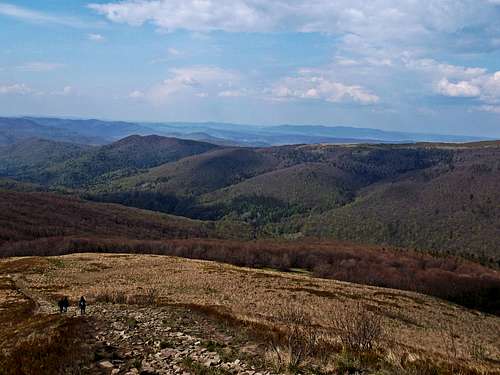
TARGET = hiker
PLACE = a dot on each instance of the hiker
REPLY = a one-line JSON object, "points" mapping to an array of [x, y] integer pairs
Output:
{"points": [[65, 304], [82, 304], [60, 303]]}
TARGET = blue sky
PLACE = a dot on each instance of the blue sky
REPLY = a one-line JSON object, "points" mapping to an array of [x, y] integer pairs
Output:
{"points": [[423, 66]]}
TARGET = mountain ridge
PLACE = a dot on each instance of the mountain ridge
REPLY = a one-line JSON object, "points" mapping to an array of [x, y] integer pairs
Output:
{"points": [[93, 131]]}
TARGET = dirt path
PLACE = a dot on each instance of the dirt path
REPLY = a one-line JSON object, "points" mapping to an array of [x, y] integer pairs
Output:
{"points": [[136, 340], [42, 306]]}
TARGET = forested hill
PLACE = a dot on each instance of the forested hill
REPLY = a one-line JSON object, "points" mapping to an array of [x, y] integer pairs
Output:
{"points": [[437, 197]]}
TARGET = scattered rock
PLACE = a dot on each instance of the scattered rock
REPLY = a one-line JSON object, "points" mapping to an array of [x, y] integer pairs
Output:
{"points": [[105, 364], [136, 349]]}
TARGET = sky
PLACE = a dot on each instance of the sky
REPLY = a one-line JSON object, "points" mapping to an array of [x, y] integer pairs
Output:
{"points": [[409, 65]]}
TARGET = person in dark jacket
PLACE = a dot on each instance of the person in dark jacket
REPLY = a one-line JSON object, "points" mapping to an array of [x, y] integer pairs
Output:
{"points": [[60, 303], [65, 304], [82, 304]]}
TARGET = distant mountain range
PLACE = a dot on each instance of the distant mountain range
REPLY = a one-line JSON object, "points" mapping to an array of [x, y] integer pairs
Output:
{"points": [[98, 132]]}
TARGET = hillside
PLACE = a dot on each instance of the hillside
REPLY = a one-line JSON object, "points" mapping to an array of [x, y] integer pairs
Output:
{"points": [[122, 158], [13, 130], [29, 159], [162, 314], [35, 223], [433, 197], [452, 209], [202, 173], [276, 195], [39, 216]]}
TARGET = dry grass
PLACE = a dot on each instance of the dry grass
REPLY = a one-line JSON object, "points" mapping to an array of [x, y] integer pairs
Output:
{"points": [[358, 328], [295, 341], [32, 343], [414, 324]]}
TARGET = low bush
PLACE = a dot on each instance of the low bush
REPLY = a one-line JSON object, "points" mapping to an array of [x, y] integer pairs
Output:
{"points": [[357, 328], [296, 338], [149, 298]]}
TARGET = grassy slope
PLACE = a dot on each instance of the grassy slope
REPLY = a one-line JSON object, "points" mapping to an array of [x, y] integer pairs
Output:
{"points": [[257, 297]]}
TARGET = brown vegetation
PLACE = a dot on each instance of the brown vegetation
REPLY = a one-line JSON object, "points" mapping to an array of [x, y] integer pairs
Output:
{"points": [[453, 279], [421, 335], [358, 328], [33, 216], [58, 347]]}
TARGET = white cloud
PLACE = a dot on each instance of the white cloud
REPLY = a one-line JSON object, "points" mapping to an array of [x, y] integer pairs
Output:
{"points": [[437, 68], [174, 52], [403, 22], [66, 91], [136, 94], [490, 108], [460, 89], [17, 88], [39, 66], [96, 37], [34, 16], [199, 81], [458, 81], [190, 15], [232, 93], [321, 88]]}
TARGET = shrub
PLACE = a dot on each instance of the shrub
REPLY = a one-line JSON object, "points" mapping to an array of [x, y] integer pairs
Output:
{"points": [[110, 296], [346, 363], [357, 328], [296, 339]]}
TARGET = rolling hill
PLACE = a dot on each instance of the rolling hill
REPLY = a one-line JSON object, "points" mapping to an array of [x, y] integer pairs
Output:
{"points": [[202, 173], [308, 185], [87, 165], [435, 197], [13, 130], [30, 158], [453, 209], [37, 217], [441, 198]]}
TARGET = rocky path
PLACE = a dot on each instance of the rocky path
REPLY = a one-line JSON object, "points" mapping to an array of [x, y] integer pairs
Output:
{"points": [[166, 341], [134, 340]]}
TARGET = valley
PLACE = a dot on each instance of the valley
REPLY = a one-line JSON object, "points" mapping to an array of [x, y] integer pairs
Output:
{"points": [[213, 258], [440, 198]]}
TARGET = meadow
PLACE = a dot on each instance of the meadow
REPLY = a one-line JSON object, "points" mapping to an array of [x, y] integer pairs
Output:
{"points": [[421, 334]]}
